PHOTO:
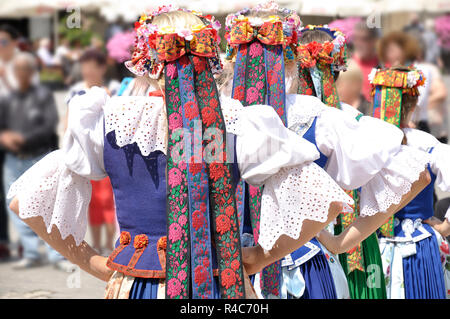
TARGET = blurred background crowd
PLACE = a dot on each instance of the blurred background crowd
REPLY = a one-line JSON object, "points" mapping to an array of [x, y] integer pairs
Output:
{"points": [[51, 51]]}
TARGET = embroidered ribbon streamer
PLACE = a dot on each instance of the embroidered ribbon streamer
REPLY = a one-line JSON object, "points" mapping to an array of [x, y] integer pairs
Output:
{"points": [[259, 79], [319, 81], [355, 259], [387, 106], [198, 186]]}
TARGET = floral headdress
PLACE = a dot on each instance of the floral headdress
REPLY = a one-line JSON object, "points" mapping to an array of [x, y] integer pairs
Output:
{"points": [[259, 47], [388, 87], [199, 193], [318, 61], [277, 29], [154, 45]]}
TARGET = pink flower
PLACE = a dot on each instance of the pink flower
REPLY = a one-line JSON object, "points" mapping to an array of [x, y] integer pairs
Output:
{"points": [[182, 275], [175, 232], [171, 71], [259, 85], [182, 220], [253, 191], [175, 121], [256, 49], [174, 177], [252, 95], [173, 287]]}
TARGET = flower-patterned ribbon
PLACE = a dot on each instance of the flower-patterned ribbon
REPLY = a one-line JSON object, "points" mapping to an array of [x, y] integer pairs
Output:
{"points": [[198, 187], [388, 88], [259, 79], [354, 257], [315, 72]]}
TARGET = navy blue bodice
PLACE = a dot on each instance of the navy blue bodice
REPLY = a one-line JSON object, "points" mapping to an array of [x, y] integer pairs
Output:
{"points": [[310, 136], [422, 205], [139, 186]]}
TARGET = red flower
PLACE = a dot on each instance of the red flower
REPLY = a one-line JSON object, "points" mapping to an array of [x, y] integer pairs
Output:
{"points": [[272, 77], [200, 275], [235, 264], [195, 166], [239, 93], [223, 224], [327, 89], [314, 48], [199, 64], [198, 220], [190, 110], [229, 211], [444, 248], [228, 278], [208, 116], [140, 241], [216, 171], [309, 91], [213, 103], [125, 238]]}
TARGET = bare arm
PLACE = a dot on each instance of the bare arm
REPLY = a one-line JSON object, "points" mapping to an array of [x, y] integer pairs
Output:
{"points": [[83, 255], [442, 227], [363, 227], [255, 258]]}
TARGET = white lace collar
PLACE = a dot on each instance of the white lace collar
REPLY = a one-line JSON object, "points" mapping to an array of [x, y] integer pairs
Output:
{"points": [[302, 108], [140, 119]]}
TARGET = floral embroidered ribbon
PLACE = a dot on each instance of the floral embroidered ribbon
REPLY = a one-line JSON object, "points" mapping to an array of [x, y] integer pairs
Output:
{"points": [[259, 79], [388, 88], [315, 72], [198, 186], [355, 259]]}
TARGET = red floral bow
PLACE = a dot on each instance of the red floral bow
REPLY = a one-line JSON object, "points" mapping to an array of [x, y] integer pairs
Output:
{"points": [[312, 53], [270, 33], [171, 47]]}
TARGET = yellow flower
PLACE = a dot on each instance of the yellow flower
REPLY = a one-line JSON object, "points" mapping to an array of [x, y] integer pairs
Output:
{"points": [[197, 27], [241, 18], [143, 18], [167, 29], [274, 19]]}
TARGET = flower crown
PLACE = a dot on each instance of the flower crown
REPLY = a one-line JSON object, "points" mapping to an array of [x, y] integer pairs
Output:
{"points": [[408, 79], [156, 45], [279, 28], [332, 52]]}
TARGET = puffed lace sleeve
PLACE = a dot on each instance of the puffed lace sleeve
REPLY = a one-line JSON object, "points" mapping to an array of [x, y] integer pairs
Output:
{"points": [[263, 144], [368, 153], [58, 187], [440, 155], [295, 188]]}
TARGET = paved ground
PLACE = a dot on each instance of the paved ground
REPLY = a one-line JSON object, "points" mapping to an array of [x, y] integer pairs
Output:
{"points": [[47, 282]]}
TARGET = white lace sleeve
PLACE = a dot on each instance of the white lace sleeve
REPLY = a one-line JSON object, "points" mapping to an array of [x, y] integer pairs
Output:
{"points": [[440, 165], [58, 187], [447, 214], [263, 144], [356, 150], [393, 181], [294, 195]]}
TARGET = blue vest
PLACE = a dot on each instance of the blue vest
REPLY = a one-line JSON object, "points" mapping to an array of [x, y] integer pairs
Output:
{"points": [[420, 207], [313, 248]]}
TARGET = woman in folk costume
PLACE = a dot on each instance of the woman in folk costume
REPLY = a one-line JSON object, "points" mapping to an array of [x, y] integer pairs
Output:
{"points": [[322, 55], [166, 156], [262, 46], [409, 247]]}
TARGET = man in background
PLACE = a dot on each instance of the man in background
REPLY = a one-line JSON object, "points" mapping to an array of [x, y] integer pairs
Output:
{"points": [[28, 120]]}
